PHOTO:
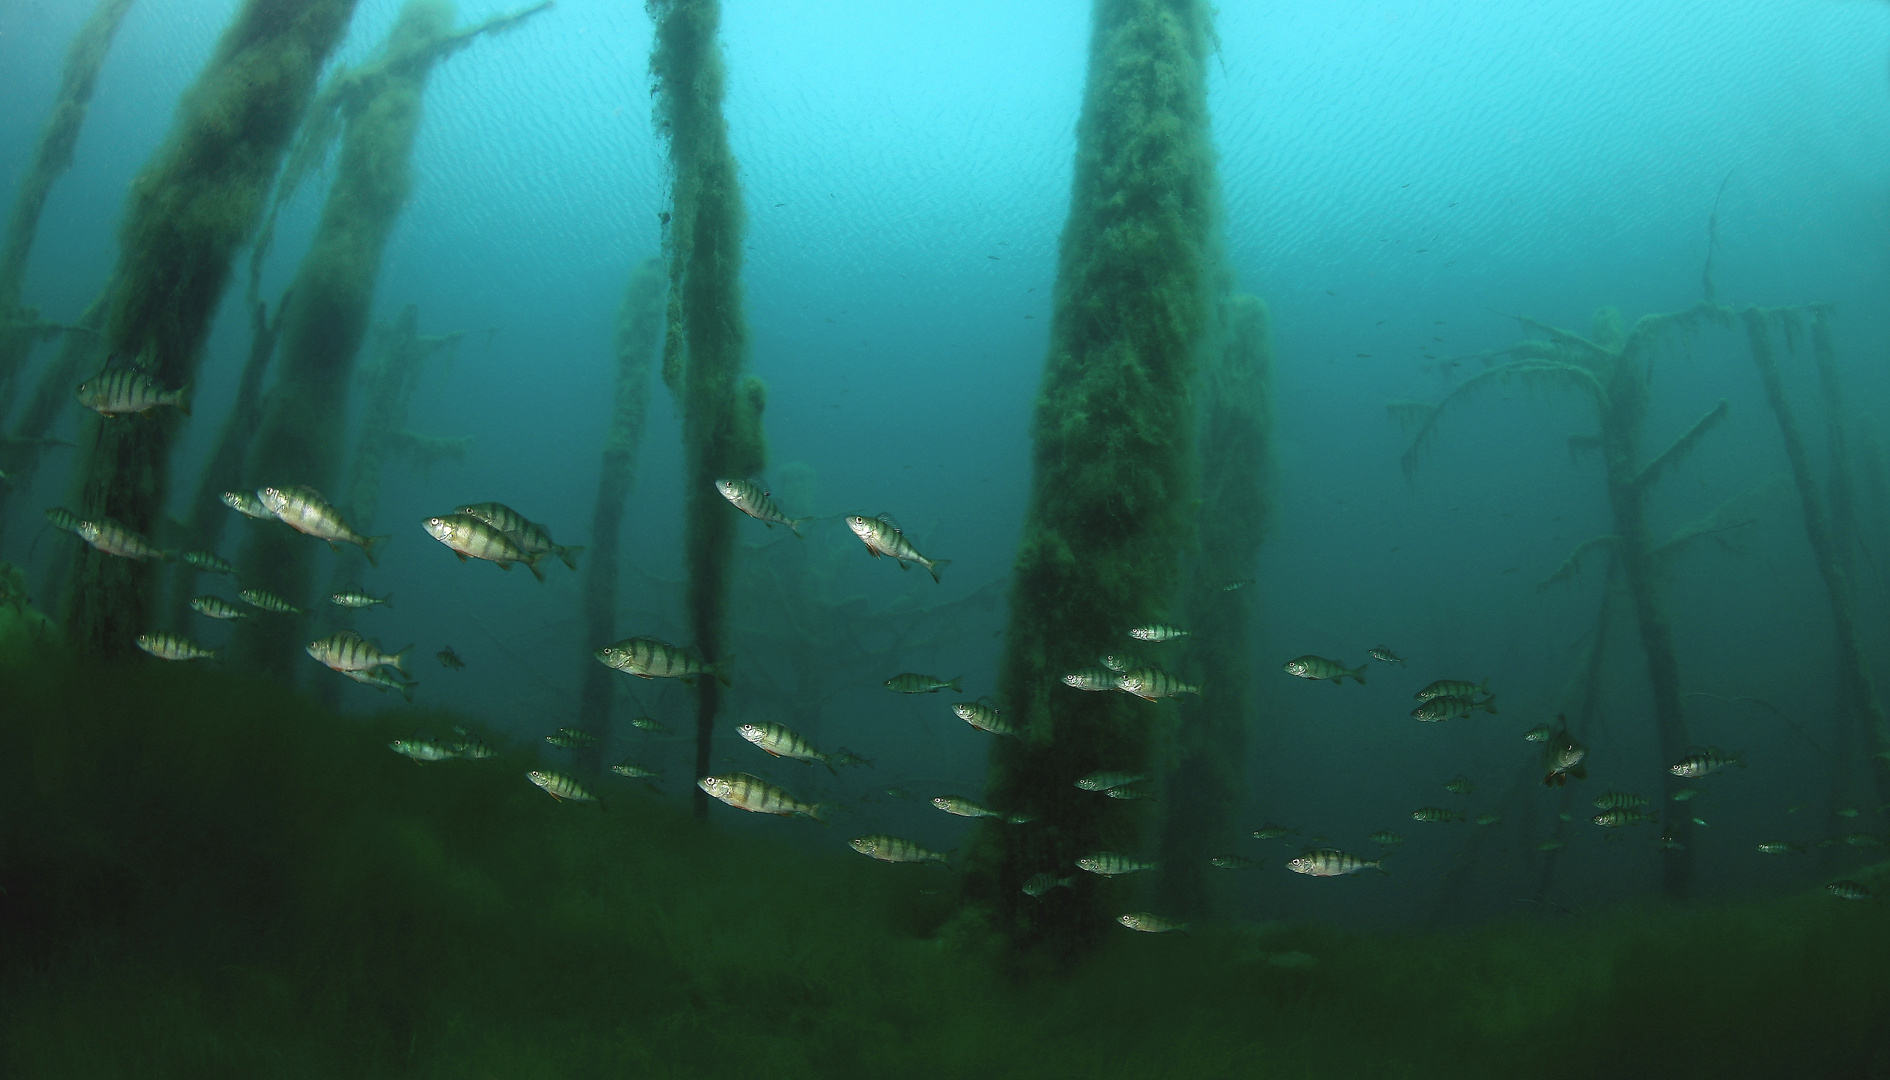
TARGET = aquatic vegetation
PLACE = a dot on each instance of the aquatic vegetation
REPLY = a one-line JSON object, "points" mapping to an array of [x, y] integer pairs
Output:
{"points": [[1110, 516], [705, 344], [196, 202]]}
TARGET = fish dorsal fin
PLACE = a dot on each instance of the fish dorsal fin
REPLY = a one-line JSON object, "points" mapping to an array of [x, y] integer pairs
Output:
{"points": [[894, 525]]}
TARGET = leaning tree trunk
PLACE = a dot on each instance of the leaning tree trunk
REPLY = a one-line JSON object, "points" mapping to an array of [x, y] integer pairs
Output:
{"points": [[706, 338], [1621, 418], [51, 158], [639, 332], [1854, 678], [1110, 516], [194, 205], [1237, 462]]}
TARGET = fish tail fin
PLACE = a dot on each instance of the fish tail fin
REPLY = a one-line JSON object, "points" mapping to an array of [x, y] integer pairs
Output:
{"points": [[794, 526], [720, 669], [368, 546], [819, 812], [399, 662], [388, 600], [1357, 673], [532, 565], [1489, 706], [936, 566], [181, 398], [954, 686], [406, 690], [569, 554]]}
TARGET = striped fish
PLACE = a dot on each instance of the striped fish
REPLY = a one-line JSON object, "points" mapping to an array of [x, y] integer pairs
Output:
{"points": [[1318, 667], [1706, 762], [652, 725], [421, 751], [1451, 707], [1435, 814], [746, 792], [121, 390], [653, 658], [1153, 684], [1150, 924], [778, 740], [634, 771], [952, 804], [306, 511], [911, 682], [1091, 679], [1111, 863], [570, 738], [209, 563], [247, 504], [882, 537], [112, 538], [895, 849], [1621, 815], [216, 607], [168, 646], [560, 787], [1385, 656], [379, 679], [65, 520], [267, 601], [345, 650], [1103, 781], [983, 716], [1453, 688], [1618, 800], [1233, 862], [471, 538], [1120, 663], [1330, 862], [1038, 884], [750, 499], [356, 599], [532, 538], [1158, 632]]}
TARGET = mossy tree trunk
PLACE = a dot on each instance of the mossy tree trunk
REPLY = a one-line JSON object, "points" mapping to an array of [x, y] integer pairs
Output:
{"points": [[51, 158], [198, 200], [639, 331], [1237, 463], [22, 452], [325, 317], [706, 337], [1857, 691], [1110, 514]]}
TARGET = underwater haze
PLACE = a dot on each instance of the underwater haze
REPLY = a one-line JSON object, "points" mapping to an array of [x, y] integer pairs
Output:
{"points": [[1660, 535]]}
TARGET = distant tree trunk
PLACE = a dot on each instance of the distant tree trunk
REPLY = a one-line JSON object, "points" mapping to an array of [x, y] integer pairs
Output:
{"points": [[1854, 678], [639, 332], [78, 355], [1237, 462], [706, 338], [51, 159], [1621, 421], [1110, 516], [194, 205], [325, 319]]}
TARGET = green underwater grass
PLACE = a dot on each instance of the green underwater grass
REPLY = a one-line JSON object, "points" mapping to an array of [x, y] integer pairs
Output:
{"points": [[205, 876]]}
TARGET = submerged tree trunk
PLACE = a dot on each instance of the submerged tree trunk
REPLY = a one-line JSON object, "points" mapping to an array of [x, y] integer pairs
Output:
{"points": [[639, 331], [1857, 688], [51, 158], [1237, 462], [1110, 516], [1621, 420], [197, 202], [706, 339], [23, 451], [325, 318]]}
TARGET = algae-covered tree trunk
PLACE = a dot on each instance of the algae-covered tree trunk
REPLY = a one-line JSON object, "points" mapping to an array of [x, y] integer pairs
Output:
{"points": [[1237, 476], [22, 452], [51, 158], [197, 201], [1110, 514], [1857, 691], [326, 316], [706, 336], [639, 330]]}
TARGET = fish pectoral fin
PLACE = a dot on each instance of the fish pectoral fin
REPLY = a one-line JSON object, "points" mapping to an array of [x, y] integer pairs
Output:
{"points": [[461, 554]]}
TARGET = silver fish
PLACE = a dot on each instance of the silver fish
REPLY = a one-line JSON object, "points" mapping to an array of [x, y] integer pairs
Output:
{"points": [[747, 792], [1157, 632], [1149, 923], [1318, 667], [882, 537], [306, 511], [1103, 781], [778, 740], [653, 658], [355, 599], [750, 499], [1330, 862]]}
